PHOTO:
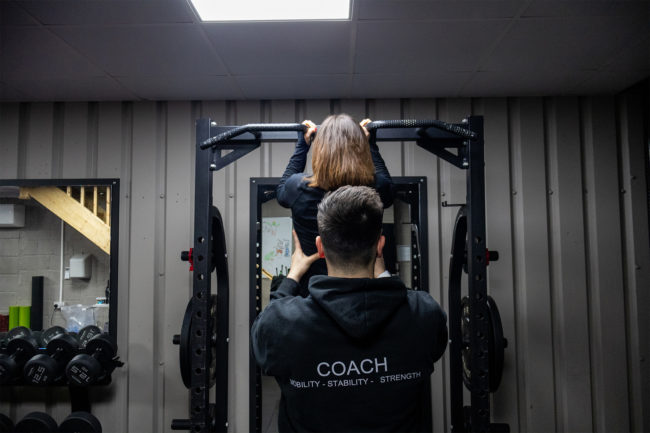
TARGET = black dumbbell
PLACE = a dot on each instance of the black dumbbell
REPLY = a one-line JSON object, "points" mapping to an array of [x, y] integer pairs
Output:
{"points": [[6, 424], [96, 363], [36, 422], [21, 346], [51, 333], [82, 422], [45, 369], [87, 333]]}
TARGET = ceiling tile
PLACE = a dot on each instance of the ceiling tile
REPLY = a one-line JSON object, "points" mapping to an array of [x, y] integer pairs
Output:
{"points": [[35, 53], [73, 89], [282, 48], [181, 87], [590, 8], [633, 56], [543, 45], [294, 86], [436, 10], [11, 14], [9, 93], [611, 82], [512, 83], [392, 47], [408, 85], [145, 50], [106, 12]]}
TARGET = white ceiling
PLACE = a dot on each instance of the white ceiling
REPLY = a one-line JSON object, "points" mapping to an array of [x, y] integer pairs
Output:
{"points": [[61, 50]]}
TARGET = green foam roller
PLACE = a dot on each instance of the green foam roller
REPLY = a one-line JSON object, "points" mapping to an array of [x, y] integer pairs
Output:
{"points": [[14, 313], [24, 316]]}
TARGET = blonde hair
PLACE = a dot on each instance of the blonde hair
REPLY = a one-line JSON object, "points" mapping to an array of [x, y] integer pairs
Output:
{"points": [[341, 155]]}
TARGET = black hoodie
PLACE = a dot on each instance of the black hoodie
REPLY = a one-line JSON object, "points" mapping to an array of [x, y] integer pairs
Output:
{"points": [[353, 356]]}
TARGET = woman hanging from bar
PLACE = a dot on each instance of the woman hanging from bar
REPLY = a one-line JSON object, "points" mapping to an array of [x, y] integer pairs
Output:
{"points": [[342, 155]]}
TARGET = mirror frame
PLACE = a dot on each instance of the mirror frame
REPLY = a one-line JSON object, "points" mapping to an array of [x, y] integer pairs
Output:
{"points": [[115, 217], [410, 189]]}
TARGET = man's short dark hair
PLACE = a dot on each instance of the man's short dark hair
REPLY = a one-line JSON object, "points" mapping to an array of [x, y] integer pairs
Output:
{"points": [[349, 224]]}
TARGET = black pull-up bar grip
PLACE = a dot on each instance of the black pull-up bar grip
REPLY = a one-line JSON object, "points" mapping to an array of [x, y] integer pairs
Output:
{"points": [[252, 127], [412, 123]]}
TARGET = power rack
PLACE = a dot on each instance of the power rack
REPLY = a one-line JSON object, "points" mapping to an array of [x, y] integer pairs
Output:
{"points": [[204, 334]]}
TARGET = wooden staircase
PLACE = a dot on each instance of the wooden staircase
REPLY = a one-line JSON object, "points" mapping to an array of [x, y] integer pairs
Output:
{"points": [[85, 208]]}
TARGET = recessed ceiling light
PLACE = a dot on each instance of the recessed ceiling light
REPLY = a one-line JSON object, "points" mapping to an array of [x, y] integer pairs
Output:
{"points": [[272, 10]]}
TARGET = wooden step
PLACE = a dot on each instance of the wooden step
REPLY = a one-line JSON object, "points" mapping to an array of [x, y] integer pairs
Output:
{"points": [[75, 213]]}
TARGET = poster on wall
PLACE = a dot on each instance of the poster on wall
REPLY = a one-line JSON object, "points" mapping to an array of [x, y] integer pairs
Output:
{"points": [[276, 246]]}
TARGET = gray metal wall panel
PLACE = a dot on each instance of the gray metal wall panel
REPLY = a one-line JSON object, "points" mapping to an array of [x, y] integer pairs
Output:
{"points": [[574, 312], [604, 267], [568, 273], [74, 145], [176, 276], [142, 365], [531, 267], [633, 153], [9, 127]]}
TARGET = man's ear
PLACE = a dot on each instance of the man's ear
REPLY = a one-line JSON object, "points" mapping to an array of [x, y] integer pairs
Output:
{"points": [[380, 245], [319, 247]]}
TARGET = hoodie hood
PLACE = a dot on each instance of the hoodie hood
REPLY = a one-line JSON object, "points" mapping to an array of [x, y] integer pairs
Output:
{"points": [[360, 306]]}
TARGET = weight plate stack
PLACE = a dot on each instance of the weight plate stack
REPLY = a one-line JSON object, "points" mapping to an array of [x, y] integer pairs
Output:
{"points": [[496, 343], [80, 422], [36, 422]]}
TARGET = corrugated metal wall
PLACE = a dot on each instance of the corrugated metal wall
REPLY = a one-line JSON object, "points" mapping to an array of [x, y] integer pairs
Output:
{"points": [[566, 209]]}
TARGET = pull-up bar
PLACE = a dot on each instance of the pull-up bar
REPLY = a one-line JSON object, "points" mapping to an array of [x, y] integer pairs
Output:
{"points": [[264, 131]]}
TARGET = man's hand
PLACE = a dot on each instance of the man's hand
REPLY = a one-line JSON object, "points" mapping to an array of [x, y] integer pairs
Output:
{"points": [[300, 263], [311, 130]]}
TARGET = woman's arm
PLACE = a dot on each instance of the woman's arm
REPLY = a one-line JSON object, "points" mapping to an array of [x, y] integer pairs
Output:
{"points": [[383, 181], [296, 165]]}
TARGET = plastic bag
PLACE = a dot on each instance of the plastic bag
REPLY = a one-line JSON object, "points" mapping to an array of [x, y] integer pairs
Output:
{"points": [[77, 316]]}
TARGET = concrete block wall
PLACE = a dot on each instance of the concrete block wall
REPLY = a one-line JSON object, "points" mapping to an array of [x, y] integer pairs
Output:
{"points": [[36, 250]]}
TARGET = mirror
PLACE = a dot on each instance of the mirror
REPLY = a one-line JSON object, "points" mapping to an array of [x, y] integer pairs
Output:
{"points": [[405, 254], [58, 254]]}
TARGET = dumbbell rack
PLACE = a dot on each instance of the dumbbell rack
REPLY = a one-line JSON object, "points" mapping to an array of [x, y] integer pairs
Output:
{"points": [[37, 372], [437, 137]]}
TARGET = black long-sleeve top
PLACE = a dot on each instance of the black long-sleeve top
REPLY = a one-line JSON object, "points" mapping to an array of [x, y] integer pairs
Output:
{"points": [[295, 193]]}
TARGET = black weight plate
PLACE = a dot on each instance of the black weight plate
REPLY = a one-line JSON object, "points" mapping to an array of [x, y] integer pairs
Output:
{"points": [[103, 344], [41, 370], [466, 352], [26, 345], [6, 425], [18, 332], [36, 422], [81, 422], [51, 333], [497, 342], [8, 369], [62, 343], [184, 349], [213, 346], [83, 370], [88, 332]]}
